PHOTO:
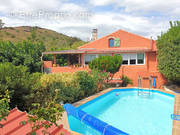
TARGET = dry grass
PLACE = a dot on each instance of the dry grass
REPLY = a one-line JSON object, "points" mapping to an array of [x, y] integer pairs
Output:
{"points": [[50, 38]]}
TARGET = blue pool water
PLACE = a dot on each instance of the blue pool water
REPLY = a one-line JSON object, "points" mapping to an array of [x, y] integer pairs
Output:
{"points": [[133, 114]]}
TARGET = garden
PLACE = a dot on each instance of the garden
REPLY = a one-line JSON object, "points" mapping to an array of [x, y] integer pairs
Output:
{"points": [[23, 85]]}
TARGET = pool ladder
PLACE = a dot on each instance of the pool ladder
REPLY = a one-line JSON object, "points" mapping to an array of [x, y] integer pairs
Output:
{"points": [[142, 92]]}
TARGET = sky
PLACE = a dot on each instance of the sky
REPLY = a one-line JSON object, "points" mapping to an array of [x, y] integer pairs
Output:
{"points": [[148, 18]]}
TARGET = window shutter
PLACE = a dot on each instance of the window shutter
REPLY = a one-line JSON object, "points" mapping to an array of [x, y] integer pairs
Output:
{"points": [[111, 42], [117, 42]]}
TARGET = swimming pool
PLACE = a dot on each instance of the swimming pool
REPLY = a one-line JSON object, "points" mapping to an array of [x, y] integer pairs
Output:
{"points": [[133, 114]]}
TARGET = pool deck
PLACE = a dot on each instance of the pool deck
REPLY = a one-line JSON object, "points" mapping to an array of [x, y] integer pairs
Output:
{"points": [[176, 124]]}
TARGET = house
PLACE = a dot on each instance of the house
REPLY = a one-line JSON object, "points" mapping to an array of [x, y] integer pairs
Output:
{"points": [[139, 57], [12, 125]]}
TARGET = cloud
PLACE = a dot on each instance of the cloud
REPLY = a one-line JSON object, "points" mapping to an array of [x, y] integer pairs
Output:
{"points": [[72, 7], [77, 20], [108, 23], [101, 2], [28, 5], [165, 7]]}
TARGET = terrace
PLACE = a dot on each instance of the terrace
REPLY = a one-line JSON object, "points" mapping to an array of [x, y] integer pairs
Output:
{"points": [[78, 59], [74, 63]]}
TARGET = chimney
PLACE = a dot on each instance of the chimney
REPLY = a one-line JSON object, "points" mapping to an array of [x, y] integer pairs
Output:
{"points": [[151, 44], [94, 34]]}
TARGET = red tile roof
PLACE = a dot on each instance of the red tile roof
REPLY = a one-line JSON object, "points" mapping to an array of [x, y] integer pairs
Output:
{"points": [[128, 41], [12, 125]]}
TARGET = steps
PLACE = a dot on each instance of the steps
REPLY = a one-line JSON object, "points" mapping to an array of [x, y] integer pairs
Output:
{"points": [[142, 92]]}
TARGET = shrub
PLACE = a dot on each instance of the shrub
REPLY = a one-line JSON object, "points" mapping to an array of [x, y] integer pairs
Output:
{"points": [[109, 64], [4, 106], [86, 82], [53, 38], [13, 36], [72, 86], [126, 81], [100, 79], [66, 78], [28, 38], [69, 94], [44, 38], [33, 94], [7, 33], [65, 82]]}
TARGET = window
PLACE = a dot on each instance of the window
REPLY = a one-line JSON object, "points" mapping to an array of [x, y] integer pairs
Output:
{"points": [[140, 58], [117, 42], [111, 42], [128, 59], [125, 58], [132, 59], [89, 57], [114, 42]]}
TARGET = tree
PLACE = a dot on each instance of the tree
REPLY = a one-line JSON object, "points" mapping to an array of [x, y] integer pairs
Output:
{"points": [[1, 24], [109, 64], [24, 53], [86, 82], [16, 80], [168, 45]]}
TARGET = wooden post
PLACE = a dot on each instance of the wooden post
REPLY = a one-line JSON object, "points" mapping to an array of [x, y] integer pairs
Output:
{"points": [[79, 59], [69, 59], [54, 62], [82, 59]]}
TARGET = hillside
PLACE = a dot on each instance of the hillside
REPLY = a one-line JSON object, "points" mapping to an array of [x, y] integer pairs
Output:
{"points": [[51, 39]]}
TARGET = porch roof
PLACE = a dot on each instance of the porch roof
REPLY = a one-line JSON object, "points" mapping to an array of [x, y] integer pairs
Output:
{"points": [[64, 52], [101, 51]]}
